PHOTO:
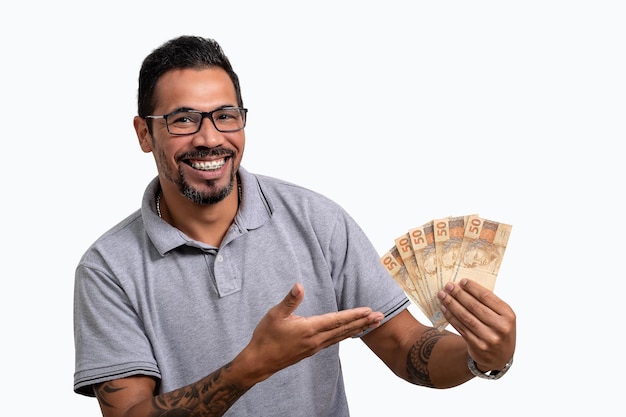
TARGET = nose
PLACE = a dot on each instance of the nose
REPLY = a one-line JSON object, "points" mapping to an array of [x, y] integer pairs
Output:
{"points": [[208, 136]]}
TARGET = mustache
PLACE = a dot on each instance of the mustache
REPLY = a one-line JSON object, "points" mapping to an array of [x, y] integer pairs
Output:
{"points": [[205, 153]]}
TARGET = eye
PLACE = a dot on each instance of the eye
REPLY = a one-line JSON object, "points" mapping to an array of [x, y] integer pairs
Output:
{"points": [[224, 115], [184, 118]]}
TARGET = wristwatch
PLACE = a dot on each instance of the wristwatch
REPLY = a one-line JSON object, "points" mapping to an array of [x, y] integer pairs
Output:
{"points": [[489, 374]]}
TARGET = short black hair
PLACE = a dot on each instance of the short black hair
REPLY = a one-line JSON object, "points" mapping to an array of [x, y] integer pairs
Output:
{"points": [[178, 53]]}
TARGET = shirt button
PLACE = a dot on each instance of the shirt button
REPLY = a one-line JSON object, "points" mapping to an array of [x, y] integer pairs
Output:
{"points": [[219, 258]]}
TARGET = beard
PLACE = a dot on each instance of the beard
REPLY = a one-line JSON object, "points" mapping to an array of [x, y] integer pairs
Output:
{"points": [[213, 195]]}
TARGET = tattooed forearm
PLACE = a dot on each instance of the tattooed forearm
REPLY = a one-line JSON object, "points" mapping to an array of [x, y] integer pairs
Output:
{"points": [[210, 396], [207, 397], [419, 355]]}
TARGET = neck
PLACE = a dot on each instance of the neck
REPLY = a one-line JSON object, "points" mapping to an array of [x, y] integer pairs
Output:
{"points": [[204, 223]]}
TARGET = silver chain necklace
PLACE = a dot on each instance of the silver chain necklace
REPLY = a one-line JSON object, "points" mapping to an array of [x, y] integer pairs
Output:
{"points": [[158, 197], [158, 203]]}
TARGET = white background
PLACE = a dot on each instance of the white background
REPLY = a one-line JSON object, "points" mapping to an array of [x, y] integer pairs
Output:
{"points": [[402, 111]]}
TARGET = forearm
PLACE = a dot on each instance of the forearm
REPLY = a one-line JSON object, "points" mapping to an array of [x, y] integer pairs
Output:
{"points": [[420, 354], [212, 395], [437, 359]]}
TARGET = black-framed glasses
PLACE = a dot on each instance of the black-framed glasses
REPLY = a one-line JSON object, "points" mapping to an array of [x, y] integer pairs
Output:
{"points": [[188, 122]]}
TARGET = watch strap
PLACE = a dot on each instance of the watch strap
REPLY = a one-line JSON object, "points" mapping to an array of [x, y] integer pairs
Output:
{"points": [[496, 374]]}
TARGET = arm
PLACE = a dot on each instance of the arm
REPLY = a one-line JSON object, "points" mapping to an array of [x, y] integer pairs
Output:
{"points": [[281, 339], [425, 356]]}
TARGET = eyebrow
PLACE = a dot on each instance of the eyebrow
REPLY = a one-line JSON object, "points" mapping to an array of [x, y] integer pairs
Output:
{"points": [[223, 106]]}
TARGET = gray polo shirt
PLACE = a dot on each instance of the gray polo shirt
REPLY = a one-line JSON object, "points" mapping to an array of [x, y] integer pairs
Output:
{"points": [[151, 301]]}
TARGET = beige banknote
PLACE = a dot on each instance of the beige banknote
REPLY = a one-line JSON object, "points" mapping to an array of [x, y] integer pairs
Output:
{"points": [[482, 250], [394, 264], [423, 243], [448, 233], [403, 245]]}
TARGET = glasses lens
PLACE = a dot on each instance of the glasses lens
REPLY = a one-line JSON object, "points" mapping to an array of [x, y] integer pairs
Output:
{"points": [[184, 123], [229, 120]]}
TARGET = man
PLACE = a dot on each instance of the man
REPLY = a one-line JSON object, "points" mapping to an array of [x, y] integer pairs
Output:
{"points": [[227, 293]]}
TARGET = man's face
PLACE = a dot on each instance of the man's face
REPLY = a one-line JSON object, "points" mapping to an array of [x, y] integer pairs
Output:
{"points": [[476, 257], [201, 165]]}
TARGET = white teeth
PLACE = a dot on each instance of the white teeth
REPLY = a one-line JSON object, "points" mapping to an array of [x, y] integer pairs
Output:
{"points": [[208, 165]]}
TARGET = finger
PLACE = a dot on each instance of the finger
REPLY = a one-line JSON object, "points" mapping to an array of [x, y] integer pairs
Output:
{"points": [[487, 306], [290, 303], [339, 319], [477, 313], [334, 327], [462, 311], [473, 296], [482, 294], [498, 317]]}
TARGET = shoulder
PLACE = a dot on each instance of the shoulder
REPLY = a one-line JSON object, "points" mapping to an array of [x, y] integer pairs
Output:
{"points": [[118, 241], [282, 191], [131, 237]]}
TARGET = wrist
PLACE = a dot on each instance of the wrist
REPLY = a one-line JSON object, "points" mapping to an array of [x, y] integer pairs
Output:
{"points": [[249, 368]]}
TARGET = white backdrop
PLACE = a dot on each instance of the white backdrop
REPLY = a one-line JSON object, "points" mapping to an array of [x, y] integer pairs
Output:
{"points": [[513, 110]]}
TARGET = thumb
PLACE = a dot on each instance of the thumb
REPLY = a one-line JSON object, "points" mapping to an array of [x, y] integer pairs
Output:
{"points": [[291, 301]]}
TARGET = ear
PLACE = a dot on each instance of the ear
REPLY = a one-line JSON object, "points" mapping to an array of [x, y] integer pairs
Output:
{"points": [[143, 134]]}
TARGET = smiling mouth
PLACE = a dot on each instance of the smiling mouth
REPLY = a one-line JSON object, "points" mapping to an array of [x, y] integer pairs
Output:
{"points": [[208, 165]]}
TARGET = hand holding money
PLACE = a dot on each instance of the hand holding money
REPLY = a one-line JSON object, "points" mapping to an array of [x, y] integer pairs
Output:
{"points": [[423, 260]]}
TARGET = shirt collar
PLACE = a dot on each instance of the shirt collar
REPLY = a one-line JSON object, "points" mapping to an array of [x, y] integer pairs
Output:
{"points": [[254, 211]]}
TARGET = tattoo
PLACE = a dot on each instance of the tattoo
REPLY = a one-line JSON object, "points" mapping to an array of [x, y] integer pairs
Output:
{"points": [[207, 397], [419, 355], [104, 390]]}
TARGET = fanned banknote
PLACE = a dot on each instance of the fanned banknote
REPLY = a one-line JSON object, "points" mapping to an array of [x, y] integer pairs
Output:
{"points": [[444, 250], [397, 269], [482, 250], [423, 243], [448, 233], [405, 251]]}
